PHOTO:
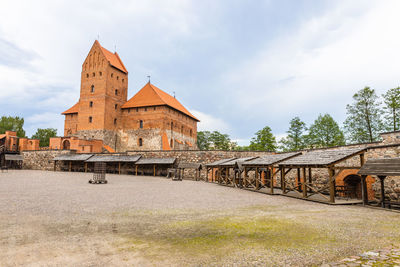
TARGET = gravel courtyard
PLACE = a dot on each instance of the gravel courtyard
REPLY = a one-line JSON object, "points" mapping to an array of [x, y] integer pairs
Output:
{"points": [[58, 219]]}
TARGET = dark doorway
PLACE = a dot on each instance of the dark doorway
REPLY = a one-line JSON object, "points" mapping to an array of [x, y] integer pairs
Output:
{"points": [[352, 186], [66, 144]]}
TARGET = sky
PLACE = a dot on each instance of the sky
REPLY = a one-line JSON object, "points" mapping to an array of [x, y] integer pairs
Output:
{"points": [[237, 65]]}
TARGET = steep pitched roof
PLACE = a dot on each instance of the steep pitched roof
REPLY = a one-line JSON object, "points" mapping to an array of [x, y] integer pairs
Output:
{"points": [[150, 95], [74, 109], [113, 59]]}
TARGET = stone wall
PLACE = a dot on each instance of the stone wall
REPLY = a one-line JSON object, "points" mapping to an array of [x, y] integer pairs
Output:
{"points": [[41, 159]]}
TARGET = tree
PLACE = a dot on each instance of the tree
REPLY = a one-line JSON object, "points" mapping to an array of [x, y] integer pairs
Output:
{"points": [[263, 141], [203, 140], [392, 108], [44, 136], [325, 132], [363, 122], [220, 141], [15, 124], [295, 139]]}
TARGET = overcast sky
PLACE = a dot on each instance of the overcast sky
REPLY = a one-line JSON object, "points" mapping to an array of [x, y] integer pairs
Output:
{"points": [[237, 65]]}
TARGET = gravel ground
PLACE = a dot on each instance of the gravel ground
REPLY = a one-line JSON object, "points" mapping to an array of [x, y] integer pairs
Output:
{"points": [[58, 219]]}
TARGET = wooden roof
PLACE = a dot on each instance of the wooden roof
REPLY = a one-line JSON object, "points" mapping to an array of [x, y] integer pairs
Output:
{"points": [[114, 158], [13, 157], [156, 161], [218, 162], [381, 167], [150, 95], [73, 157], [234, 161], [321, 158], [268, 160]]}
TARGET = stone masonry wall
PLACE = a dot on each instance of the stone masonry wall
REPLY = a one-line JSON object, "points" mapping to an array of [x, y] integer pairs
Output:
{"points": [[41, 159]]}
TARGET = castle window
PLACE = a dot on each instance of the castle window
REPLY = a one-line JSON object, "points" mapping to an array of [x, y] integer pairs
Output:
{"points": [[117, 77], [90, 119], [92, 89], [94, 74], [140, 142], [116, 91], [100, 73], [112, 75], [116, 106], [115, 121], [123, 80], [91, 104], [141, 124], [87, 75]]}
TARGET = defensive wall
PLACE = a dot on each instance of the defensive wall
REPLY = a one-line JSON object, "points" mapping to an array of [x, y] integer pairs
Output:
{"points": [[389, 147]]}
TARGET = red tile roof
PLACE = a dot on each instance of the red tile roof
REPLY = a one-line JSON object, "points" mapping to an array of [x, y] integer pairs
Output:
{"points": [[113, 59], [150, 95], [74, 109]]}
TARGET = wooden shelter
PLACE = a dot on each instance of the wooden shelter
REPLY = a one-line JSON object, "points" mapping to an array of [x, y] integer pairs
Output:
{"points": [[224, 167], [215, 171], [13, 161], [115, 163], [382, 168], [154, 166], [303, 185], [264, 171], [72, 162], [195, 168]]}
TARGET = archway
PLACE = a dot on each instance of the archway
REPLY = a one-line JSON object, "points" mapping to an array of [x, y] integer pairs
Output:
{"points": [[352, 184], [66, 144]]}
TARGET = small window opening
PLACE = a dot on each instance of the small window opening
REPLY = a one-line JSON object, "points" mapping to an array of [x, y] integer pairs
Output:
{"points": [[123, 80], [141, 124], [112, 74], [116, 91], [140, 142], [92, 89], [94, 74], [115, 121], [100, 73], [87, 75], [90, 119], [117, 77], [91, 104], [116, 106]]}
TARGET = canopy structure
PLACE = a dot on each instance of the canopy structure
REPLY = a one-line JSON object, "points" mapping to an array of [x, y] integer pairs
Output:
{"points": [[13, 157], [191, 168], [382, 168], [219, 162], [72, 162], [264, 171], [112, 158], [220, 170], [115, 163], [326, 159], [73, 157], [156, 165]]}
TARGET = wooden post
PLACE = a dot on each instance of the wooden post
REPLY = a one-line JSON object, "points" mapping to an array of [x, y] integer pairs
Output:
{"points": [[154, 169], [271, 176], [331, 185], [244, 177], [212, 175], [55, 165], [226, 175], [283, 185], [304, 183], [309, 176], [119, 167], [136, 167], [382, 178], [70, 165], [85, 166], [256, 178], [362, 159], [364, 189], [298, 179]]}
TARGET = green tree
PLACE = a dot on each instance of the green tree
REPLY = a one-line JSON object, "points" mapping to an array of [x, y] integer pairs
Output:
{"points": [[203, 140], [295, 139], [10, 123], [325, 132], [44, 136], [220, 141], [263, 141], [392, 108], [363, 122]]}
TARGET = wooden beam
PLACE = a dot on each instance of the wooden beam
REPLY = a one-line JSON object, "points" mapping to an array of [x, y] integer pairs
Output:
{"points": [[154, 168], [309, 176], [70, 165], [55, 165], [283, 185], [136, 167], [346, 167], [86, 166], [256, 177], [119, 167], [271, 177], [331, 185], [364, 190], [304, 183], [298, 179], [382, 179]]}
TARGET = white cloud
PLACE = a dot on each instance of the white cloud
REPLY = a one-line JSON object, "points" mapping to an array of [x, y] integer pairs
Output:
{"points": [[210, 123]]}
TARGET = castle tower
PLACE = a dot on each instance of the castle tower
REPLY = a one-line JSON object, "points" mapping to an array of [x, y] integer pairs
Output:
{"points": [[104, 86]]}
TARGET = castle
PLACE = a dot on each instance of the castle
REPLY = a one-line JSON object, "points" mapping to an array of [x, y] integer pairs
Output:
{"points": [[104, 119]]}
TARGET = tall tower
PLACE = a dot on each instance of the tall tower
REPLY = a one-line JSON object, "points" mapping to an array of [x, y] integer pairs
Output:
{"points": [[104, 86]]}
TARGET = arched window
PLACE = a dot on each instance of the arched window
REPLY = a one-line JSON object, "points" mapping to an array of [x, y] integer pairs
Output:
{"points": [[117, 77], [101, 74], [116, 91], [141, 124], [87, 75], [92, 89], [91, 104], [123, 80], [90, 119], [115, 121], [94, 74], [116, 106], [112, 75], [140, 142]]}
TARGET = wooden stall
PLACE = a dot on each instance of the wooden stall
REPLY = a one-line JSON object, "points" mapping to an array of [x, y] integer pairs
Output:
{"points": [[115, 163], [72, 162], [195, 168], [265, 170], [215, 170], [13, 161], [333, 161], [154, 166], [382, 168]]}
